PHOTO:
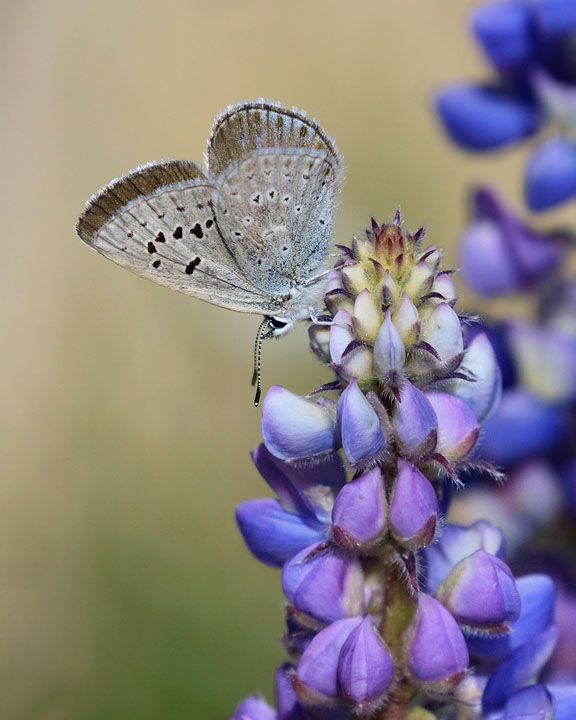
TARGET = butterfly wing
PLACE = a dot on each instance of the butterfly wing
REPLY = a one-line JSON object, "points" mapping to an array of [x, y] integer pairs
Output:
{"points": [[248, 126], [158, 222], [275, 210]]}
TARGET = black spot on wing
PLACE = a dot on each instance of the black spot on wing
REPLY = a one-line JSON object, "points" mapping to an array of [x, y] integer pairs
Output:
{"points": [[192, 266]]}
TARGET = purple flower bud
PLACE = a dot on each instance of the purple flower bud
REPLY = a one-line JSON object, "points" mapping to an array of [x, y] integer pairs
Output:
{"points": [[456, 543], [293, 427], [555, 17], [286, 701], [407, 320], [523, 426], [415, 423], [274, 535], [457, 425], [360, 429], [565, 701], [436, 649], [481, 593], [484, 118], [324, 583], [505, 32], [413, 507], [551, 174], [318, 666], [537, 615], [443, 332], [389, 353], [531, 703], [359, 513], [254, 708], [519, 669], [481, 364], [365, 666]]}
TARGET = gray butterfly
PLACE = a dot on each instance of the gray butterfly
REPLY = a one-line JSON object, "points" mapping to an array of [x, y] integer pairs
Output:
{"points": [[249, 232]]}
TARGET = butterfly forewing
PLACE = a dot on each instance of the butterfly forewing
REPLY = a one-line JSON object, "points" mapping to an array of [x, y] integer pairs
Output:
{"points": [[274, 209], [249, 126], [158, 222]]}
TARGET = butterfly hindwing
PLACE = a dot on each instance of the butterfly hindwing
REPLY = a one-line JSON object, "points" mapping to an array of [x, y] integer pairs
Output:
{"points": [[274, 209], [158, 221]]}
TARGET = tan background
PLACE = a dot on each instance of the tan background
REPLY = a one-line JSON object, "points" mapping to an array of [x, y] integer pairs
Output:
{"points": [[125, 590]]}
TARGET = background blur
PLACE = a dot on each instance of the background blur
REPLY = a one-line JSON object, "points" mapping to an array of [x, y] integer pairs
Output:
{"points": [[125, 590]]}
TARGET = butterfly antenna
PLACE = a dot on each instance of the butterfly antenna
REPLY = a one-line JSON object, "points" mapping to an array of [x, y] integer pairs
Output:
{"points": [[257, 374]]}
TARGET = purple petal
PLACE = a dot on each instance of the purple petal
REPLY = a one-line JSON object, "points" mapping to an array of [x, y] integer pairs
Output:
{"points": [[254, 708], [359, 514], [565, 699], [481, 592], [341, 335], [286, 701], [504, 30], [481, 118], [537, 614], [437, 651], [413, 507], [389, 352], [551, 174], [546, 360], [514, 672], [530, 703], [415, 423], [318, 666], [303, 489], [499, 254], [456, 543], [457, 425], [480, 363], [442, 330], [325, 584], [293, 427], [365, 666], [521, 427], [274, 535], [360, 429], [555, 17]]}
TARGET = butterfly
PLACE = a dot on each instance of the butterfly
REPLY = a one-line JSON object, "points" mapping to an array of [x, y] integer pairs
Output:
{"points": [[248, 231]]}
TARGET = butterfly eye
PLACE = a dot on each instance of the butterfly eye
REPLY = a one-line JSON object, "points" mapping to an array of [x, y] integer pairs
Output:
{"points": [[277, 324]]}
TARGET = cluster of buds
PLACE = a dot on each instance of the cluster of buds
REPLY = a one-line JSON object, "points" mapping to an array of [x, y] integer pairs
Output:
{"points": [[382, 604]]}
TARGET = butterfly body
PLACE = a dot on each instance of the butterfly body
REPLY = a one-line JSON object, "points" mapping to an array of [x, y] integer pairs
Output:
{"points": [[250, 232]]}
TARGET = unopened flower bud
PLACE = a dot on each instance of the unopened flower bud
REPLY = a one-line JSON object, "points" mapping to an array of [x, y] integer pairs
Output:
{"points": [[389, 354], [362, 437], [457, 425], [481, 593], [359, 513], [365, 666], [436, 650], [317, 670], [413, 507], [294, 427], [324, 583], [415, 423]]}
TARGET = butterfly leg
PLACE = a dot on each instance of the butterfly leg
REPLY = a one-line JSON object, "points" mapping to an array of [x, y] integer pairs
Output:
{"points": [[319, 319]]}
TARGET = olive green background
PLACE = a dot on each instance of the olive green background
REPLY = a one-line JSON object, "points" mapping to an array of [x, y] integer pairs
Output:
{"points": [[127, 418]]}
